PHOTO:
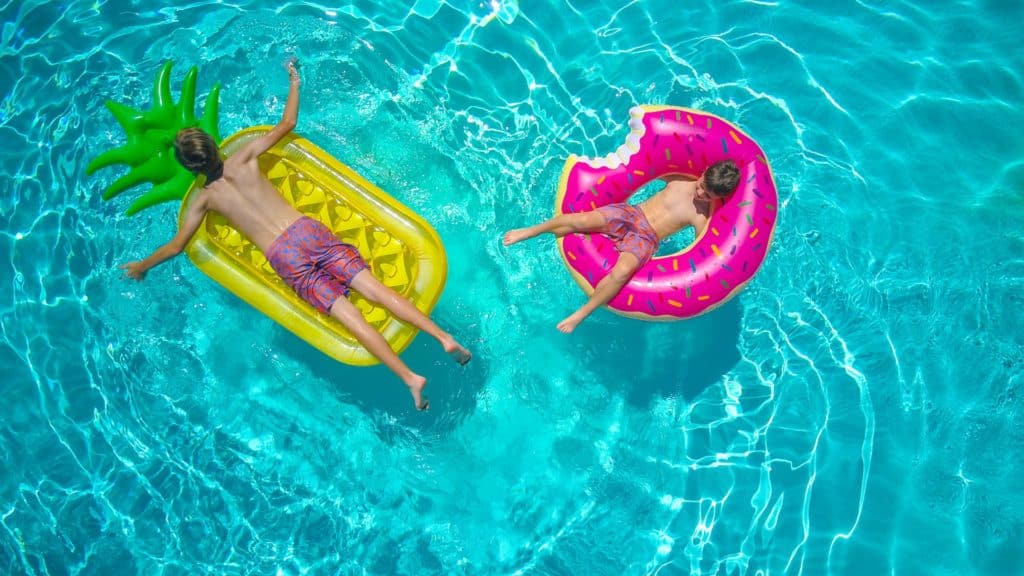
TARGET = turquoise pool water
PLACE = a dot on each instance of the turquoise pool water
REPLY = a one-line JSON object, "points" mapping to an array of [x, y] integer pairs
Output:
{"points": [[857, 410]]}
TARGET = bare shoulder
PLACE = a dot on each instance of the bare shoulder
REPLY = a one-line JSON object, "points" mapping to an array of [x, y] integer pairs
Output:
{"points": [[202, 196], [237, 160], [199, 200], [240, 166], [245, 158], [669, 178]]}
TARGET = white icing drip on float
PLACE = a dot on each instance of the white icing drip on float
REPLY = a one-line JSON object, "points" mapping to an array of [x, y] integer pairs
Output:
{"points": [[626, 151]]}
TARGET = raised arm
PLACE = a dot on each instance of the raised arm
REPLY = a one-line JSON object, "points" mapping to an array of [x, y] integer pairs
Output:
{"points": [[193, 219], [286, 125]]}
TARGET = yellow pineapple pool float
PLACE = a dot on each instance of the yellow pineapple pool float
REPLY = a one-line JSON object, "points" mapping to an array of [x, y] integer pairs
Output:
{"points": [[403, 251]]}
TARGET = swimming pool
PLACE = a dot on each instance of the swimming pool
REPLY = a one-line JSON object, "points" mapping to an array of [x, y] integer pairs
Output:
{"points": [[856, 410]]}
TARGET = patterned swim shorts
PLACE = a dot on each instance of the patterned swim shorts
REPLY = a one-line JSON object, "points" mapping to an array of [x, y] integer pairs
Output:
{"points": [[314, 262], [629, 229]]}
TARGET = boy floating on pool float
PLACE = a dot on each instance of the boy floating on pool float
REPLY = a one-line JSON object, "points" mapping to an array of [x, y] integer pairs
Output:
{"points": [[636, 231], [304, 252]]}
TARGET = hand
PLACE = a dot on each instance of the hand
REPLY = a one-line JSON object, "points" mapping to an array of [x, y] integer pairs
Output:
{"points": [[134, 270], [293, 71]]}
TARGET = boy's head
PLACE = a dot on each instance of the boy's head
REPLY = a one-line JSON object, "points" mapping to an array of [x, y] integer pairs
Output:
{"points": [[197, 152], [720, 179]]}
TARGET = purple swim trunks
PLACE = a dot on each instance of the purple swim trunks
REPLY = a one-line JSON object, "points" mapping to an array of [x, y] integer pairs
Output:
{"points": [[314, 262], [629, 229]]}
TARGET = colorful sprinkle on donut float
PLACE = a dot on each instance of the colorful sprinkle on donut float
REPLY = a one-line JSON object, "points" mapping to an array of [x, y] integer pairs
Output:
{"points": [[666, 140]]}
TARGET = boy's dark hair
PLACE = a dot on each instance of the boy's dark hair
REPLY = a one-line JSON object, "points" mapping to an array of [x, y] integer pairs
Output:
{"points": [[721, 178], [197, 152]]}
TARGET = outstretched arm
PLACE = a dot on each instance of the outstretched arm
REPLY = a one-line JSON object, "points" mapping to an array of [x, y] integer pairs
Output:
{"points": [[193, 219], [286, 125]]}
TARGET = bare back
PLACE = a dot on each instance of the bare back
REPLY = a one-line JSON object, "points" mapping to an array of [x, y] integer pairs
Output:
{"points": [[250, 203], [675, 208]]}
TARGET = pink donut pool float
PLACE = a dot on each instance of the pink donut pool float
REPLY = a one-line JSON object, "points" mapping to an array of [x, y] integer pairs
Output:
{"points": [[666, 140]]}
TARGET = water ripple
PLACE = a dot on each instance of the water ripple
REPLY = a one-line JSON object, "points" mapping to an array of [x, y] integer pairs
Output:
{"points": [[863, 391]]}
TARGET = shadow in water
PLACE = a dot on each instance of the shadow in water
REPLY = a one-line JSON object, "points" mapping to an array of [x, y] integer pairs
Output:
{"points": [[649, 360], [451, 389]]}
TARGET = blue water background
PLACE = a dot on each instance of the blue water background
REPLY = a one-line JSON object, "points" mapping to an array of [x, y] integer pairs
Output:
{"points": [[857, 410]]}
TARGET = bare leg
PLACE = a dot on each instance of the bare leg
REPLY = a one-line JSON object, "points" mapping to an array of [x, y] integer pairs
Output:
{"points": [[353, 320], [605, 290], [373, 290], [560, 225]]}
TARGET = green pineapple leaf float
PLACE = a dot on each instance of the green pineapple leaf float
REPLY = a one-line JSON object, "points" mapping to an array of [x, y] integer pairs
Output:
{"points": [[149, 150]]}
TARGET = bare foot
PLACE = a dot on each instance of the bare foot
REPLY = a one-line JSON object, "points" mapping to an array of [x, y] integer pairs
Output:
{"points": [[569, 324], [513, 236], [456, 351], [416, 384]]}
